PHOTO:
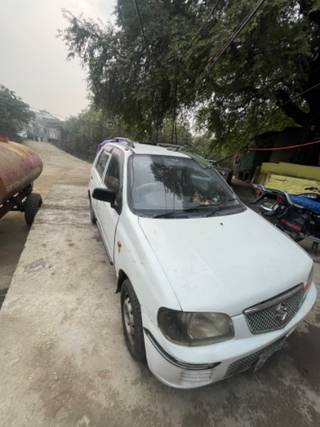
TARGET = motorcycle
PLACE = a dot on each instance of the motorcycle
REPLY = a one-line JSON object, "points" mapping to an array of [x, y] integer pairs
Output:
{"points": [[296, 215]]}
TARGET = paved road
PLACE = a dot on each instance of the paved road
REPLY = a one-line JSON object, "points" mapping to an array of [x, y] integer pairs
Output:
{"points": [[59, 167], [64, 362]]}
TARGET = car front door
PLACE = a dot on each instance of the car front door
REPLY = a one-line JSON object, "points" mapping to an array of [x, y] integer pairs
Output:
{"points": [[109, 215], [96, 178]]}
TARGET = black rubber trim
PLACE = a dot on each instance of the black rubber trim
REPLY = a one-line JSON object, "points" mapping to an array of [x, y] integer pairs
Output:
{"points": [[274, 300], [175, 362], [104, 244]]}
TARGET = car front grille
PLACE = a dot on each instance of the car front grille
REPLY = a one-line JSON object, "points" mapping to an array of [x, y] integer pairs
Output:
{"points": [[249, 361], [275, 313]]}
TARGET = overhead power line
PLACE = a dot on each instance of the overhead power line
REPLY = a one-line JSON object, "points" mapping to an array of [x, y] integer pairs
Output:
{"points": [[136, 5], [198, 34], [213, 9], [235, 34], [307, 90], [295, 97]]}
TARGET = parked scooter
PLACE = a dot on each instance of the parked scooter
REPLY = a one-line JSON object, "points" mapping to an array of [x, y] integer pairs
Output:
{"points": [[296, 215]]}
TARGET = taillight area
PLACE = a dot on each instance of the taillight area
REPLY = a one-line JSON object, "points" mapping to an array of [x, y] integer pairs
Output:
{"points": [[292, 225]]}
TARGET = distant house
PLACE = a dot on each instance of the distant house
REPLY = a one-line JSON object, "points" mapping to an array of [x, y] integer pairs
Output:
{"points": [[45, 127]]}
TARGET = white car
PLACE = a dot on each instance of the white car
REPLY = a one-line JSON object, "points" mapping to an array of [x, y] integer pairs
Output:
{"points": [[208, 287]]}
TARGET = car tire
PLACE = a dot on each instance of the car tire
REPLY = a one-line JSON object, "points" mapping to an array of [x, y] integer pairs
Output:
{"points": [[132, 322], [93, 218], [31, 207]]}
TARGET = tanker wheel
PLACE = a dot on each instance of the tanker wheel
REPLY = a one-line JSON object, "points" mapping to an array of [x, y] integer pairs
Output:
{"points": [[31, 207]]}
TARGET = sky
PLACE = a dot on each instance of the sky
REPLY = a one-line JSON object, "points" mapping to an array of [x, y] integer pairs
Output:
{"points": [[33, 60]]}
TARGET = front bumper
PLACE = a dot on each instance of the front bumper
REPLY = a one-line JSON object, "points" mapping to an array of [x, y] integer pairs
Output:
{"points": [[190, 367]]}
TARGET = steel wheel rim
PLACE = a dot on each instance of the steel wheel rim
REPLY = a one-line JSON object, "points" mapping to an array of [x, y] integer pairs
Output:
{"points": [[128, 319]]}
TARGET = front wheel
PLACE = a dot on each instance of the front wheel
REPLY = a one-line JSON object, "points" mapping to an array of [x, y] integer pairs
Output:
{"points": [[31, 207], [132, 322], [93, 218]]}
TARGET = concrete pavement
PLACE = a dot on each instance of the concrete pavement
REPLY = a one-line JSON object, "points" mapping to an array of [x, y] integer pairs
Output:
{"points": [[59, 167]]}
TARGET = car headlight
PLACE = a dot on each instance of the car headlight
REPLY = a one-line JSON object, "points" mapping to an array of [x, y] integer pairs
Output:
{"points": [[191, 329], [308, 283]]}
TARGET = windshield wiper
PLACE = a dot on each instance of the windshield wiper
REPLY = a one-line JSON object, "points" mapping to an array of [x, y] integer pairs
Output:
{"points": [[178, 213], [169, 214], [222, 207], [198, 207], [211, 210]]}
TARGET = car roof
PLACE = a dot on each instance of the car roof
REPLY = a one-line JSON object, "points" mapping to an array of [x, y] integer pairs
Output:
{"points": [[138, 148], [157, 150]]}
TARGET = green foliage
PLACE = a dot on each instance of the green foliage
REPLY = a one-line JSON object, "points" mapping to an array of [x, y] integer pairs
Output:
{"points": [[127, 77], [175, 133], [254, 87], [154, 71], [82, 134], [14, 113]]}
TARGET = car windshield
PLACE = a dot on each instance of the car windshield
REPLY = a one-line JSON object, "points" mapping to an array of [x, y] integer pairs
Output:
{"points": [[177, 187]]}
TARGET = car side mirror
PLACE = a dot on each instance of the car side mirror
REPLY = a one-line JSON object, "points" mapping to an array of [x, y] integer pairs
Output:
{"points": [[104, 195]]}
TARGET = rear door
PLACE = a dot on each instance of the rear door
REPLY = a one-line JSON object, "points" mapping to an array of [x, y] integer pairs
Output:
{"points": [[109, 215]]}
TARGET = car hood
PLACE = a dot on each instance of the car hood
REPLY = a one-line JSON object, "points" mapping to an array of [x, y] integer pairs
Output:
{"points": [[227, 263]]}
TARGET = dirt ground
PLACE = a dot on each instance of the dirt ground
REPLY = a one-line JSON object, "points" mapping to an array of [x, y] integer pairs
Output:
{"points": [[62, 355], [59, 167]]}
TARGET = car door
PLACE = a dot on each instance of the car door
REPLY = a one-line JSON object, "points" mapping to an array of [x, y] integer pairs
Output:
{"points": [[96, 178], [109, 215]]}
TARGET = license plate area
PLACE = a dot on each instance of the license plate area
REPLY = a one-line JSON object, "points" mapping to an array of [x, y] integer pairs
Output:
{"points": [[255, 361], [267, 353]]}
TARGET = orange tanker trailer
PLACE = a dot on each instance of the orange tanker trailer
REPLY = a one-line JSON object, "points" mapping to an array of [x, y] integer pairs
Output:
{"points": [[19, 167]]}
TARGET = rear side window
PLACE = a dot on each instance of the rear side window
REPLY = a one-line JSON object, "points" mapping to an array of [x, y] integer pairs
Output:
{"points": [[112, 178], [101, 163]]}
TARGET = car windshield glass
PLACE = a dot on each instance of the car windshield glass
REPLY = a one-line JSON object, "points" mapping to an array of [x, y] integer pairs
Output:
{"points": [[169, 186]]}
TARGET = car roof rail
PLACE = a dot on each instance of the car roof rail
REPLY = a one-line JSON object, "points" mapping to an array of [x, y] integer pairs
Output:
{"points": [[173, 147], [125, 140]]}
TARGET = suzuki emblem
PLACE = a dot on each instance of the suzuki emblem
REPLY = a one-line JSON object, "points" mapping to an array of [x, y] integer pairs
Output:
{"points": [[281, 312]]}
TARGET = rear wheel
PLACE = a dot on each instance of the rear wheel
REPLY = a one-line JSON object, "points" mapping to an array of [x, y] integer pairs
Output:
{"points": [[31, 207], [132, 322]]}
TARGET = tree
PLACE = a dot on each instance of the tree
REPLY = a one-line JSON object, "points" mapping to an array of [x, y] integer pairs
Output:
{"points": [[82, 134], [158, 67], [269, 78], [14, 113], [126, 76], [175, 133]]}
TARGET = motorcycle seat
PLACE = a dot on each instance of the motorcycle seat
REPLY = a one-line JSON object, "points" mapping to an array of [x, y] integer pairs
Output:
{"points": [[306, 202]]}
